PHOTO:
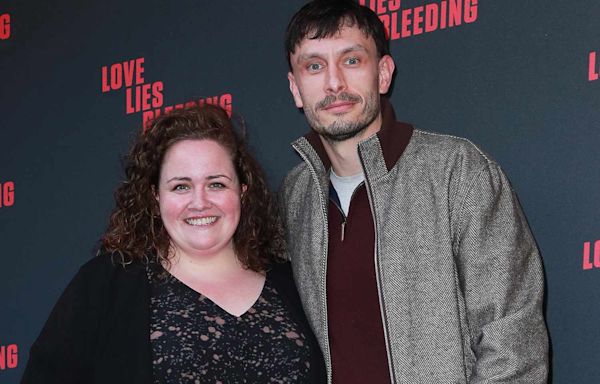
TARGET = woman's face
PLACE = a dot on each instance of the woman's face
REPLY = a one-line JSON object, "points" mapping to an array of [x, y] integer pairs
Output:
{"points": [[199, 197]]}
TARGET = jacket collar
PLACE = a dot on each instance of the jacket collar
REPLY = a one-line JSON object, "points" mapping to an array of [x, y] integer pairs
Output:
{"points": [[393, 137]]}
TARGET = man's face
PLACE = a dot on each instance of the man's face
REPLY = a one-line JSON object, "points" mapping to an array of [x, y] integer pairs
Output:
{"points": [[337, 81]]}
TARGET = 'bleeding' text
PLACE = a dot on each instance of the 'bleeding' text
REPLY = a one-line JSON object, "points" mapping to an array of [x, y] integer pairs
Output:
{"points": [[403, 23], [4, 26], [224, 101], [9, 356], [7, 194]]}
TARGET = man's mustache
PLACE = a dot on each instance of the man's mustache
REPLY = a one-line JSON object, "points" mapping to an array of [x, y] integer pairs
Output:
{"points": [[344, 96]]}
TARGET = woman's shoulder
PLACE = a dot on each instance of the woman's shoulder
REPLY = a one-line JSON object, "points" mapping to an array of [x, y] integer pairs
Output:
{"points": [[280, 269], [103, 282], [106, 265], [281, 276]]}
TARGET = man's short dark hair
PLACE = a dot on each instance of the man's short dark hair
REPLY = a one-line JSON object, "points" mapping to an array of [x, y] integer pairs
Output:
{"points": [[324, 18]]}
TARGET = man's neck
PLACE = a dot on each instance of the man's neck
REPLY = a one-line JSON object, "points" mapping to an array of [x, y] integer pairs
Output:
{"points": [[344, 154]]}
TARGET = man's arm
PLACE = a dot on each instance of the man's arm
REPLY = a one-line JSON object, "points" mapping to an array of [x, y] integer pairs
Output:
{"points": [[501, 276]]}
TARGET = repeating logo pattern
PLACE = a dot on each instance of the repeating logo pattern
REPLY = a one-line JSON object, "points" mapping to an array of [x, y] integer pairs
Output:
{"points": [[7, 194], [225, 101], [9, 356], [4, 26], [139, 95], [593, 67], [148, 98], [402, 23], [591, 257]]}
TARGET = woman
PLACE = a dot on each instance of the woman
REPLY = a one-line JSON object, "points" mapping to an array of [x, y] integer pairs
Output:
{"points": [[191, 287]]}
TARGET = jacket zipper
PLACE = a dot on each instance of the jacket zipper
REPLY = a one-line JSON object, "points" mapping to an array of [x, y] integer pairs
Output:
{"points": [[377, 273], [344, 217], [327, 351]]}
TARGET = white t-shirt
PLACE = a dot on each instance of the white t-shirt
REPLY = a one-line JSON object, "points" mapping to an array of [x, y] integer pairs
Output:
{"points": [[345, 186]]}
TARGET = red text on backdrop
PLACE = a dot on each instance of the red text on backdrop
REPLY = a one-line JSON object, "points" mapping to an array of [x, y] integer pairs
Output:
{"points": [[4, 26], [593, 67], [139, 95], [224, 101], [402, 23], [591, 260], [9, 356], [7, 194]]}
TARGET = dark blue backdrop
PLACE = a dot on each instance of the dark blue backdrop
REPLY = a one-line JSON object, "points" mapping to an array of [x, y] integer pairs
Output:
{"points": [[515, 81]]}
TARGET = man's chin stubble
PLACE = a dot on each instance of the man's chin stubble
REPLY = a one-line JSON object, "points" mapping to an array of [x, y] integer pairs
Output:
{"points": [[338, 132], [335, 135]]}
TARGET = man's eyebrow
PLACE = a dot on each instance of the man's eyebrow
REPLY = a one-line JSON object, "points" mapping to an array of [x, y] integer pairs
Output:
{"points": [[314, 55], [353, 48], [307, 56]]}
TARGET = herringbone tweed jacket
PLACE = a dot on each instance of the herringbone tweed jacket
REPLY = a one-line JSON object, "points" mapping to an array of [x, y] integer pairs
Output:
{"points": [[459, 274]]}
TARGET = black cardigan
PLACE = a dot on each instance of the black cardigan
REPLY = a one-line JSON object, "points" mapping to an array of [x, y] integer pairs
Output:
{"points": [[99, 330]]}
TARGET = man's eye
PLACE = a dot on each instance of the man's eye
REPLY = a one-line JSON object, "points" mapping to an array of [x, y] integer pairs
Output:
{"points": [[313, 67], [352, 61]]}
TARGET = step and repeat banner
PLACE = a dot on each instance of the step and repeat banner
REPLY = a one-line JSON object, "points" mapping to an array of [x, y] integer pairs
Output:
{"points": [[79, 79]]}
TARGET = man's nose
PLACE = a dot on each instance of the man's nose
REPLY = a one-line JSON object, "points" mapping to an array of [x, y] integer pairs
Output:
{"points": [[336, 82]]}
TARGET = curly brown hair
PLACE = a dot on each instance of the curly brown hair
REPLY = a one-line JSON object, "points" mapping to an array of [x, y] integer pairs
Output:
{"points": [[136, 231]]}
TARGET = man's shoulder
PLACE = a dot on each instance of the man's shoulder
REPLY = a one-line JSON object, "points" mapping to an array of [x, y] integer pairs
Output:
{"points": [[299, 175], [433, 145]]}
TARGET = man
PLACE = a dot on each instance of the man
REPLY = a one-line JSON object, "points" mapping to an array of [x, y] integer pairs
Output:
{"points": [[414, 261]]}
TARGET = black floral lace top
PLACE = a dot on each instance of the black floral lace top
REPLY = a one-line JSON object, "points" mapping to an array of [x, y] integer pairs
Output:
{"points": [[195, 341]]}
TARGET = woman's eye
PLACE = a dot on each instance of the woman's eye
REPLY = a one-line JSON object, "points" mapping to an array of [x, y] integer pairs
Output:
{"points": [[217, 185], [181, 187]]}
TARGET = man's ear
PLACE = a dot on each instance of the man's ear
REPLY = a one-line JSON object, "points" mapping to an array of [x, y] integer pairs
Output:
{"points": [[294, 90], [386, 72]]}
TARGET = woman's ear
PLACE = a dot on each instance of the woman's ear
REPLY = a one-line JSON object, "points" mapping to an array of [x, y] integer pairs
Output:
{"points": [[154, 192]]}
